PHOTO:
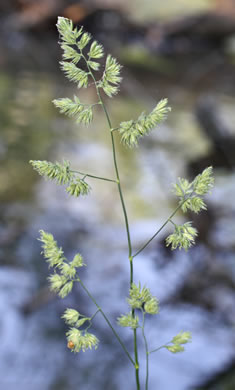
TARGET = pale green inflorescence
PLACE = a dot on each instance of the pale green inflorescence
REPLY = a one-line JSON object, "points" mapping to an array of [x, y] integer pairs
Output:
{"points": [[203, 182], [77, 261], [182, 338], [73, 43], [140, 298], [65, 290], [191, 193], [111, 77], [71, 316], [63, 175], [129, 321], [80, 61], [74, 318], [190, 196], [177, 341], [151, 306], [78, 187], [54, 171], [183, 236], [57, 282], [74, 108], [53, 254], [132, 130], [175, 348], [61, 282], [81, 340]]}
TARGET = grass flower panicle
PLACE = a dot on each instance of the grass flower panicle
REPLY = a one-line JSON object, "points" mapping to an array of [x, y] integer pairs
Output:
{"points": [[79, 66]]}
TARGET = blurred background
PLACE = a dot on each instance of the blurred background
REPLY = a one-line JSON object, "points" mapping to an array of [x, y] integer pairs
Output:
{"points": [[183, 50]]}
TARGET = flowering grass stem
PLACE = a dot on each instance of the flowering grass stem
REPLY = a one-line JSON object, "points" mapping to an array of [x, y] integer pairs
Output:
{"points": [[146, 352], [125, 218], [128, 239], [106, 319], [94, 177], [157, 349], [159, 230], [190, 195]]}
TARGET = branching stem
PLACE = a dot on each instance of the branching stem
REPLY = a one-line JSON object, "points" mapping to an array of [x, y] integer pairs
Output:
{"points": [[125, 218], [97, 311], [158, 231], [94, 177], [157, 349], [128, 239], [107, 320]]}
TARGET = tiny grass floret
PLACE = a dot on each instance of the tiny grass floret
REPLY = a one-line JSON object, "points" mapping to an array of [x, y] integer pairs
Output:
{"points": [[81, 341], [183, 236], [71, 316], [80, 67], [177, 341], [138, 296], [128, 321], [151, 306]]}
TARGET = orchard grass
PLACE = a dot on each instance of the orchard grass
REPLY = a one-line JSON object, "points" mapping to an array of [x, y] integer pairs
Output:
{"points": [[83, 58]]}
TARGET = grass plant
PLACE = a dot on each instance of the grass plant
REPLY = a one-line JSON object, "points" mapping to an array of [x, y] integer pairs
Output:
{"points": [[83, 59]]}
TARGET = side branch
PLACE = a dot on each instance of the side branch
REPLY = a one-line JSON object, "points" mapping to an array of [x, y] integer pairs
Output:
{"points": [[95, 177], [107, 320], [158, 231]]}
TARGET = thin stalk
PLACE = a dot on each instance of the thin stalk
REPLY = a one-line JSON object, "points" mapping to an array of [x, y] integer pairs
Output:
{"points": [[136, 357], [114, 159], [122, 201], [129, 243], [107, 320], [128, 239], [90, 320], [94, 177], [157, 349], [147, 354], [158, 231], [125, 218], [97, 311]]}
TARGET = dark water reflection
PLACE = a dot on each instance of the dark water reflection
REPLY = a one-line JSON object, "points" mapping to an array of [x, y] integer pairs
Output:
{"points": [[196, 289]]}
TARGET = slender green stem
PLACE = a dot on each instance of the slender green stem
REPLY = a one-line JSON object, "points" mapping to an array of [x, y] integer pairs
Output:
{"points": [[129, 243], [147, 353], [136, 357], [114, 158], [125, 218], [107, 320], [122, 200], [94, 177], [157, 349], [131, 270], [90, 320], [97, 311], [158, 231], [116, 170]]}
